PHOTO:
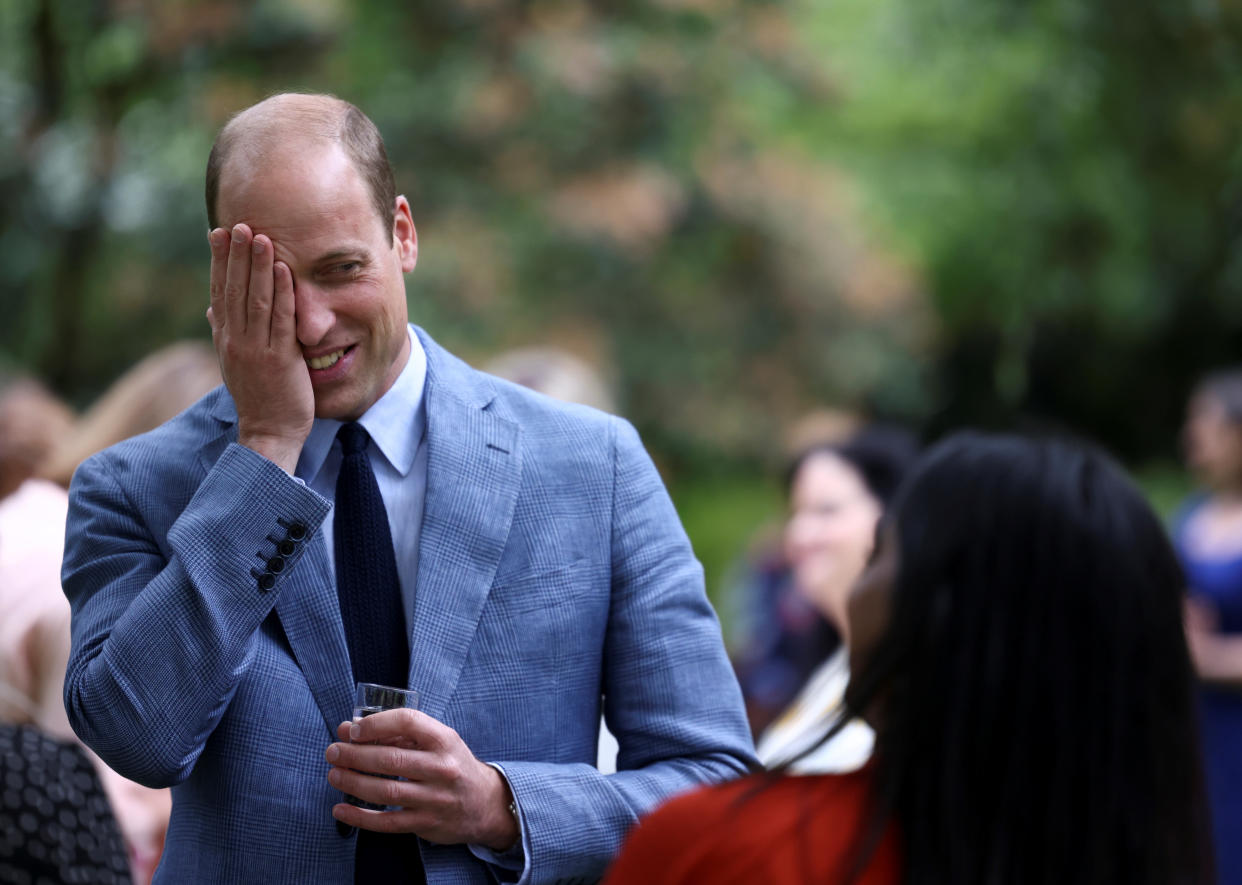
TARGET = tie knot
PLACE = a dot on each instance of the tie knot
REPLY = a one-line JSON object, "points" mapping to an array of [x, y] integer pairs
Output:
{"points": [[353, 437]]}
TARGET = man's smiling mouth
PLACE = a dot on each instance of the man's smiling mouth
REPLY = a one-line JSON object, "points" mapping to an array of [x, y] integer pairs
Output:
{"points": [[326, 361]]}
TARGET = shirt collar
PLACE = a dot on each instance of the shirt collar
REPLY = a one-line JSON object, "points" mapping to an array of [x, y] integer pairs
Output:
{"points": [[395, 422]]}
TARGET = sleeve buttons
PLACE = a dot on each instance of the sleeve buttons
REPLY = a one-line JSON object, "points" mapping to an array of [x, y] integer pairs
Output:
{"points": [[286, 552]]}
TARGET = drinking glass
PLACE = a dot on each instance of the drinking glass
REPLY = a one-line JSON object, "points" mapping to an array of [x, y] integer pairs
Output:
{"points": [[370, 698]]}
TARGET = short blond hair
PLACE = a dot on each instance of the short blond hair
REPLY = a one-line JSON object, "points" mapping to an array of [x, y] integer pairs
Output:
{"points": [[158, 388]]}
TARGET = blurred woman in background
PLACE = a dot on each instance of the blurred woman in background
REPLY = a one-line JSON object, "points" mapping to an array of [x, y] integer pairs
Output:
{"points": [[41, 444], [60, 809], [1016, 641], [837, 494], [157, 388], [1208, 536], [776, 637]]}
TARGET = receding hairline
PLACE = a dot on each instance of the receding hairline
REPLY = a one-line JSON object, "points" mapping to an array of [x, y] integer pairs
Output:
{"points": [[284, 117], [283, 121]]}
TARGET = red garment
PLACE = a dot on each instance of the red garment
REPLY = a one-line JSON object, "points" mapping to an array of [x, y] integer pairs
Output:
{"points": [[796, 829]]}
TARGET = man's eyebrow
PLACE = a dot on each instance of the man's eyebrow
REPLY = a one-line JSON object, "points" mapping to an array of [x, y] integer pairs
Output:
{"points": [[357, 254]]}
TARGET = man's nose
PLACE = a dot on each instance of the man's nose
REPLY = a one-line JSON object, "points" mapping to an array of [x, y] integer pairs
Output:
{"points": [[313, 313]]}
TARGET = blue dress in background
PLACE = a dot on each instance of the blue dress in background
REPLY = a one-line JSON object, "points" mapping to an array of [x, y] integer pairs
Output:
{"points": [[1218, 582]]}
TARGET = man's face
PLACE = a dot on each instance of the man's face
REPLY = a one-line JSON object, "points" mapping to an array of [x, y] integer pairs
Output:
{"points": [[347, 267]]}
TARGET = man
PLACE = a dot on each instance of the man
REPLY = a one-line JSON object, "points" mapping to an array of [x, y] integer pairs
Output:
{"points": [[217, 593]]}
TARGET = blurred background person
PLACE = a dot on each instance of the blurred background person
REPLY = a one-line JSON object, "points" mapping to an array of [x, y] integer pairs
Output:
{"points": [[775, 634], [777, 638], [157, 388], [57, 824], [837, 494], [557, 373], [1208, 536], [34, 629], [34, 422], [1016, 641], [41, 443]]}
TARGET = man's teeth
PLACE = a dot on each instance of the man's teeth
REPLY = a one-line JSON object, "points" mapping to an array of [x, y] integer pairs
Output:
{"points": [[328, 359]]}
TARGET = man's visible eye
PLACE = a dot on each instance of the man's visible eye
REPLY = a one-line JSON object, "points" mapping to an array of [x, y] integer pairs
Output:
{"points": [[346, 267]]}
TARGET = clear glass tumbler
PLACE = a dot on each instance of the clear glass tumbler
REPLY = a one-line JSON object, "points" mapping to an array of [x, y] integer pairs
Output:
{"points": [[369, 699]]}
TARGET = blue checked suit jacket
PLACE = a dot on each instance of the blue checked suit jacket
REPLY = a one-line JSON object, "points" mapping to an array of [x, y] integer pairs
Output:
{"points": [[555, 582]]}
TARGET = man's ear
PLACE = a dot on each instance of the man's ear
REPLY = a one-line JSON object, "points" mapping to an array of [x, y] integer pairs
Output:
{"points": [[404, 235]]}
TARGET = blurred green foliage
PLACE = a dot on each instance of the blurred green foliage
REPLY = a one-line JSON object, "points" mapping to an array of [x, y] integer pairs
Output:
{"points": [[940, 211], [724, 514], [1067, 177]]}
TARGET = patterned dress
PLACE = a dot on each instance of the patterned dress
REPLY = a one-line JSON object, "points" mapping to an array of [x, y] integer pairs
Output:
{"points": [[56, 825]]}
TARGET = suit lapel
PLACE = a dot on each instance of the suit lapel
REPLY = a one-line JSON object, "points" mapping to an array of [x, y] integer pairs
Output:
{"points": [[473, 476], [308, 608], [311, 616]]}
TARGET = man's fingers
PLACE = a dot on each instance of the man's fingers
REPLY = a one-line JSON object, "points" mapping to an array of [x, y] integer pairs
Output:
{"points": [[376, 759], [237, 279], [259, 295], [284, 322], [415, 808], [411, 725], [216, 332], [364, 785], [399, 821], [218, 239]]}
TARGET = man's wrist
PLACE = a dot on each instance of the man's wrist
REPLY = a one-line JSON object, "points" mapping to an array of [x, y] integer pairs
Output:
{"points": [[281, 451], [505, 831]]}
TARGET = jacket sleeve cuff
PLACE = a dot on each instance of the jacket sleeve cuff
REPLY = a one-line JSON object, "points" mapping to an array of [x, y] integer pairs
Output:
{"points": [[511, 862]]}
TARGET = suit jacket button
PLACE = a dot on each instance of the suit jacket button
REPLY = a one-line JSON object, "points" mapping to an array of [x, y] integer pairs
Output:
{"points": [[267, 581], [344, 830], [276, 565], [297, 531], [286, 547]]}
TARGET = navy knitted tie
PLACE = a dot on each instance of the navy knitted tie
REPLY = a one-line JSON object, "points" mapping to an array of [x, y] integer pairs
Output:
{"points": [[366, 569], [370, 599]]}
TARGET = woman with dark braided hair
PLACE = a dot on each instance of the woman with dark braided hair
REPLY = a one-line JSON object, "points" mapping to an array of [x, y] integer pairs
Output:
{"points": [[1016, 642]]}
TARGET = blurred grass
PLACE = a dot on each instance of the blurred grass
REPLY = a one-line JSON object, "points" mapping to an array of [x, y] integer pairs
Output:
{"points": [[722, 513]]}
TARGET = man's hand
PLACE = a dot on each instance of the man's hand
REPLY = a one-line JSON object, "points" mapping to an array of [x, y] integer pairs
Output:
{"points": [[448, 796], [255, 334]]}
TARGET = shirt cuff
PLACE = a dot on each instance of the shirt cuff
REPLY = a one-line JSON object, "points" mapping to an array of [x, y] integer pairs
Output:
{"points": [[513, 859]]}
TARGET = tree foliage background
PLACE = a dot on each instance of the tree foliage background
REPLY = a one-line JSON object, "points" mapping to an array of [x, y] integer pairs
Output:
{"points": [[940, 211]]}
